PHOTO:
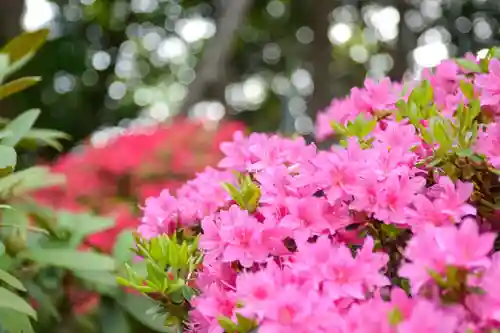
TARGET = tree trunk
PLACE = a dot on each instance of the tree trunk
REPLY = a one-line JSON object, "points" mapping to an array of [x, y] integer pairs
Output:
{"points": [[320, 57], [10, 26], [405, 43], [217, 52], [10, 19]]}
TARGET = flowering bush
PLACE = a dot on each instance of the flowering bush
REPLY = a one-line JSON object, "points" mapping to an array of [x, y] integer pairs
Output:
{"points": [[112, 179], [393, 231]]}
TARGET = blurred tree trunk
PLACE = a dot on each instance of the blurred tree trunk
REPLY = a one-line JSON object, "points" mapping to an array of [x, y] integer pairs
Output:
{"points": [[10, 26], [211, 66], [405, 43], [10, 19], [320, 55]]}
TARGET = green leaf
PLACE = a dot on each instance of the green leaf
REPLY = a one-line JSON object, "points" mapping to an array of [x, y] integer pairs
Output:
{"points": [[22, 48], [250, 194], [440, 133], [46, 137], [368, 127], [227, 324], [469, 65], [245, 325], [338, 128], [15, 322], [8, 157], [82, 225], [234, 193], [20, 126], [122, 251], [390, 230], [484, 64], [467, 89], [2, 249], [395, 317], [9, 300], [18, 85], [495, 52], [102, 278], [17, 221], [188, 293], [70, 259], [467, 152], [28, 180], [437, 277], [4, 134], [422, 95], [4, 65], [103, 282], [43, 299], [113, 319], [11, 280], [137, 306]]}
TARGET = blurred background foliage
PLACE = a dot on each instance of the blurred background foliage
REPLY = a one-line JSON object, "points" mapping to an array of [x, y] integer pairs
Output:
{"points": [[271, 63]]}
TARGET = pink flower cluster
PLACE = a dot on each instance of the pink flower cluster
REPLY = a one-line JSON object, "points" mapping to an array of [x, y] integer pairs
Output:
{"points": [[356, 239]]}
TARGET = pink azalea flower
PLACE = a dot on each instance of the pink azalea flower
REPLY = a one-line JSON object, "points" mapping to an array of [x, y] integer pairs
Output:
{"points": [[395, 195], [426, 318], [464, 246], [217, 302], [488, 144], [490, 84], [424, 255], [375, 96], [453, 197], [257, 292], [397, 135], [341, 111], [290, 311], [242, 236], [425, 212], [161, 216]]}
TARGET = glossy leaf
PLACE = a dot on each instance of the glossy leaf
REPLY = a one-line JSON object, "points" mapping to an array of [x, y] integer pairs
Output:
{"points": [[227, 324], [395, 317], [82, 225], [18, 85], [20, 126], [122, 250], [97, 277], [11, 280], [15, 322], [70, 259], [138, 306], [22, 48], [467, 89], [4, 65], [469, 65], [113, 319], [45, 137], [28, 180], [43, 299], [9, 300], [8, 157]]}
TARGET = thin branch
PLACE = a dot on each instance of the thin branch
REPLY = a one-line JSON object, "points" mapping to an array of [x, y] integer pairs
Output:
{"points": [[218, 51]]}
